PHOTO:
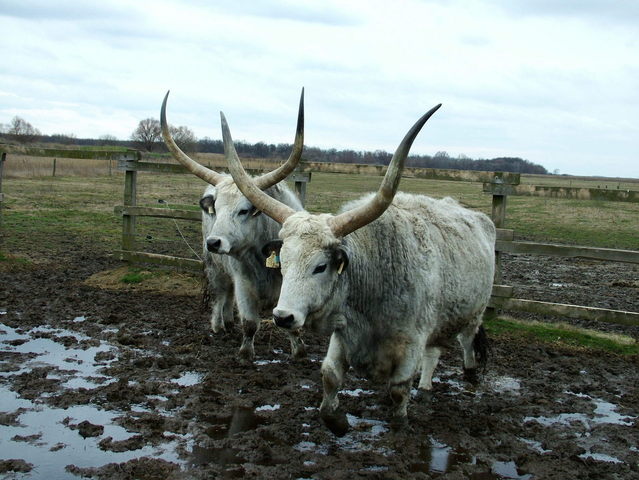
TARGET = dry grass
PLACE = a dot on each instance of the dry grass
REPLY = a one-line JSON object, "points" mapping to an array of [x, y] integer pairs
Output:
{"points": [[156, 281], [24, 166]]}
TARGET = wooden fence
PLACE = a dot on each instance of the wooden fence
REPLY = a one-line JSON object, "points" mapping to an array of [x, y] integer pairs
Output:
{"points": [[130, 211], [498, 184], [55, 153]]}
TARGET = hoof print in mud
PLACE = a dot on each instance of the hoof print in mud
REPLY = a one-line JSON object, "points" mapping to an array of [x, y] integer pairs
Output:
{"points": [[337, 423]]}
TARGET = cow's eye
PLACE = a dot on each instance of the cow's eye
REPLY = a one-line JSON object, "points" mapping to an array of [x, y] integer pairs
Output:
{"points": [[320, 268], [242, 212]]}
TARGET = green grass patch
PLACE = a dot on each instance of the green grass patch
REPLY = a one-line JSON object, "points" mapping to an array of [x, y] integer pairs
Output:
{"points": [[561, 334], [135, 275]]}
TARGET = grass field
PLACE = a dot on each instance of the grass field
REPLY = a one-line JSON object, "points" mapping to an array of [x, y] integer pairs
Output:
{"points": [[80, 200], [41, 211]]}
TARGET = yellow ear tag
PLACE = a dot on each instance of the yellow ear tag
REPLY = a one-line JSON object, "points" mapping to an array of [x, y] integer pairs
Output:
{"points": [[211, 210], [340, 269], [273, 261]]}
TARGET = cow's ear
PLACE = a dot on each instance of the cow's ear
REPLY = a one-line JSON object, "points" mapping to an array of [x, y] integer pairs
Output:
{"points": [[340, 260], [207, 204], [272, 247]]}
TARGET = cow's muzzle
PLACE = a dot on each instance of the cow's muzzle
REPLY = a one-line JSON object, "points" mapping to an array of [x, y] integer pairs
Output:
{"points": [[284, 321]]}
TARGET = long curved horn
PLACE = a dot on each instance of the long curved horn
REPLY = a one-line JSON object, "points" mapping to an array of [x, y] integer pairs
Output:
{"points": [[349, 221], [269, 179], [206, 174], [273, 208]]}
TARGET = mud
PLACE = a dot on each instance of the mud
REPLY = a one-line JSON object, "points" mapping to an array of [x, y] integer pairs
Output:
{"points": [[123, 384]]}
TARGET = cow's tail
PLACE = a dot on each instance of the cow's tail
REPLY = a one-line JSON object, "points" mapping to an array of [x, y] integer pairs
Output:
{"points": [[481, 346]]}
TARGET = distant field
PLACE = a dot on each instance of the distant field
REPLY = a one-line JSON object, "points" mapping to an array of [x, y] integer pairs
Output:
{"points": [[80, 201]]}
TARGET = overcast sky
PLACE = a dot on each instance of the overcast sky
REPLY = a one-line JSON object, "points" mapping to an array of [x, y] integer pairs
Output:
{"points": [[553, 81]]}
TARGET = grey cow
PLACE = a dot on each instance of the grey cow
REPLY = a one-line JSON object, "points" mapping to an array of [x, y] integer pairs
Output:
{"points": [[400, 277], [234, 232]]}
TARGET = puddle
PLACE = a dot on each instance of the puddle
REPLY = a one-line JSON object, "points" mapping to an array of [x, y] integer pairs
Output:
{"points": [[261, 363], [268, 408], [440, 459], [57, 444], [48, 437], [509, 470], [358, 392], [601, 457], [188, 379], [604, 413]]}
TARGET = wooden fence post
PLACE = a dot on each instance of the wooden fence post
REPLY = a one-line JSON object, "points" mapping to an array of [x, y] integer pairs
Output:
{"points": [[130, 200], [54, 162], [498, 216], [499, 219], [301, 179], [3, 157]]}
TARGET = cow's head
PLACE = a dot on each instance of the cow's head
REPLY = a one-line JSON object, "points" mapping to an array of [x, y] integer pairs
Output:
{"points": [[231, 220], [312, 255]]}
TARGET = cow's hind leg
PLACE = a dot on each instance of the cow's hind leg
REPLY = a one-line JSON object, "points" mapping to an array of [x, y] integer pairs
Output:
{"points": [[333, 369], [400, 383], [430, 359], [474, 343]]}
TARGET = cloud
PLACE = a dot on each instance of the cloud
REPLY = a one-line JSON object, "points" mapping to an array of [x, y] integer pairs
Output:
{"points": [[516, 78]]}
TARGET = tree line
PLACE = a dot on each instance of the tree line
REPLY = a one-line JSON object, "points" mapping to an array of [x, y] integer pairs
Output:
{"points": [[147, 136]]}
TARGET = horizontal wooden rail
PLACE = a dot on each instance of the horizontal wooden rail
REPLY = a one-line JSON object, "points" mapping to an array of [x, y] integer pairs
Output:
{"points": [[507, 178], [414, 172], [158, 259], [70, 152], [158, 212], [533, 248], [566, 193], [564, 310]]}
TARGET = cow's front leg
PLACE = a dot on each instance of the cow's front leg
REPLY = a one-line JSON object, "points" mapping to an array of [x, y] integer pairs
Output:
{"points": [[298, 349], [333, 369], [219, 293], [248, 308]]}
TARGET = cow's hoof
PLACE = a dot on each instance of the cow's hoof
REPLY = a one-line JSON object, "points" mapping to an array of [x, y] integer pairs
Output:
{"points": [[424, 396], [336, 422], [246, 357], [300, 354], [217, 327], [471, 376], [398, 422]]}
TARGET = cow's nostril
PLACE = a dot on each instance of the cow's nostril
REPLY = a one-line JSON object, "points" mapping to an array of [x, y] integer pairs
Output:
{"points": [[213, 245], [284, 322]]}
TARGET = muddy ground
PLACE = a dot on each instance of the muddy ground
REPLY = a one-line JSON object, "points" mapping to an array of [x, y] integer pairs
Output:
{"points": [[130, 384]]}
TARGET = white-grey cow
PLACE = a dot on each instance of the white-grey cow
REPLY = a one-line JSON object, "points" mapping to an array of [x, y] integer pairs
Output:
{"points": [[234, 233], [400, 277]]}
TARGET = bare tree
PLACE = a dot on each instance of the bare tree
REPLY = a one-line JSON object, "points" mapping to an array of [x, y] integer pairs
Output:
{"points": [[184, 137], [107, 139], [147, 134], [22, 131]]}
